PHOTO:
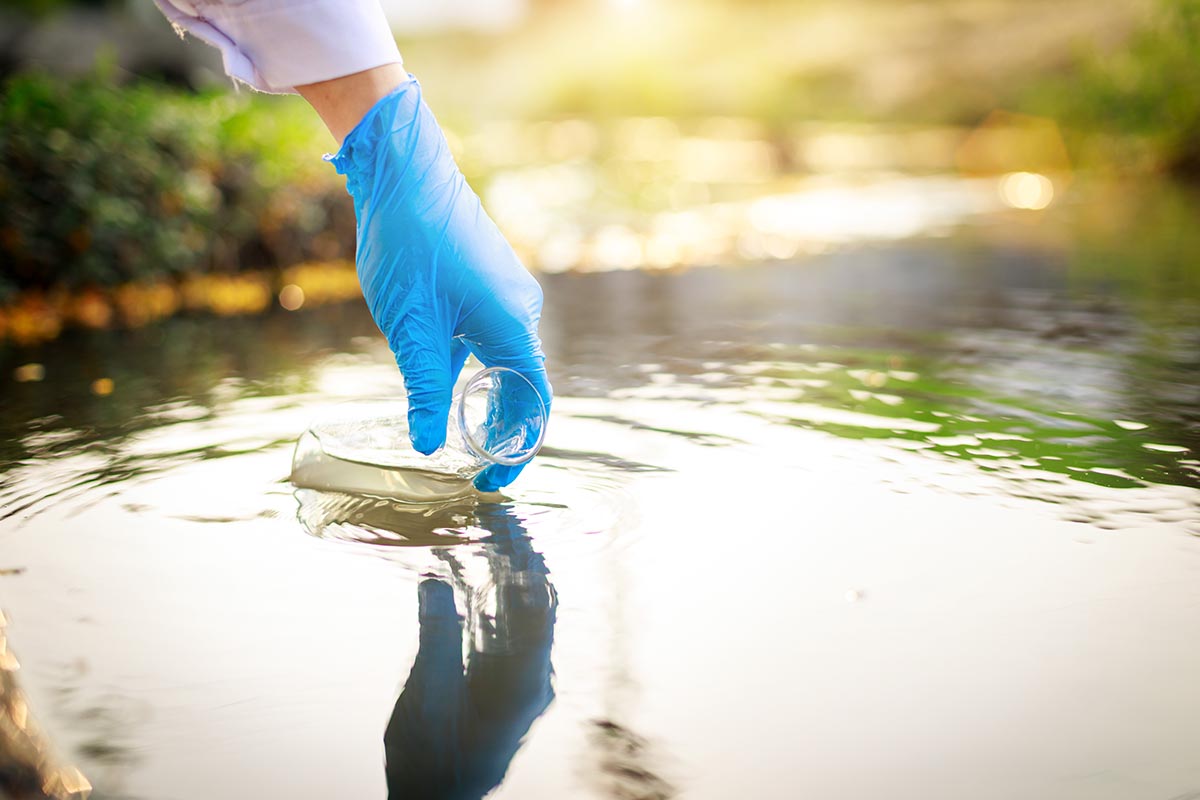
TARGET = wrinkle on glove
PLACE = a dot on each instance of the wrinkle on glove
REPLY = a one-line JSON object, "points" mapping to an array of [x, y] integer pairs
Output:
{"points": [[438, 276]]}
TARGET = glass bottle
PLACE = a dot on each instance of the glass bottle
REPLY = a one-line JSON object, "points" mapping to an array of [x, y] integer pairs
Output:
{"points": [[363, 447]]}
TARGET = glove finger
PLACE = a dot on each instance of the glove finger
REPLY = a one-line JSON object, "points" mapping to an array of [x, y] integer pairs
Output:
{"points": [[458, 356], [496, 476], [425, 367]]}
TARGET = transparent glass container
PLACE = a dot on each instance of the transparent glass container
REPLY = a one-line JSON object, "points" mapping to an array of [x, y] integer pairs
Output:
{"points": [[363, 447]]}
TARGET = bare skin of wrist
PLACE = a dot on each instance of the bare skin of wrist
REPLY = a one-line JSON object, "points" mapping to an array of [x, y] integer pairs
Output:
{"points": [[342, 102]]}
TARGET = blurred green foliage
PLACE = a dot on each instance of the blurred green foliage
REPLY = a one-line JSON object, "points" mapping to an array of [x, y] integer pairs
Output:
{"points": [[1148, 89], [39, 7], [1124, 78], [102, 184]]}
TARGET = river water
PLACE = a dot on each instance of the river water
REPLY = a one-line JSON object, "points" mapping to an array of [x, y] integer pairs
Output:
{"points": [[911, 518]]}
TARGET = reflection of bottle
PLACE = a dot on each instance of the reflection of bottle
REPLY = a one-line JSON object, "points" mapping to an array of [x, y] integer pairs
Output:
{"points": [[498, 418]]}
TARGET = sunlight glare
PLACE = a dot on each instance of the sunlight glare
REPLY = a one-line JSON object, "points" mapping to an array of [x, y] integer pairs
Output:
{"points": [[1026, 190]]}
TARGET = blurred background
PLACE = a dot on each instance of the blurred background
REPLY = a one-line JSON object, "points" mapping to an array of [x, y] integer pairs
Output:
{"points": [[872, 325], [137, 183]]}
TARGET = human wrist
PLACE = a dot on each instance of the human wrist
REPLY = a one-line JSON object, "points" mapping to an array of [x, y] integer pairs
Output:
{"points": [[343, 102]]}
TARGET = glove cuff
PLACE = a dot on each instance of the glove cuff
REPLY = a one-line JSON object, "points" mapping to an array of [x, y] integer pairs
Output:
{"points": [[357, 156]]}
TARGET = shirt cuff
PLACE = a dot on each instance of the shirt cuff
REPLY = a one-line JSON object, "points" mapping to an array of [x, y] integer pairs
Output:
{"points": [[276, 45]]}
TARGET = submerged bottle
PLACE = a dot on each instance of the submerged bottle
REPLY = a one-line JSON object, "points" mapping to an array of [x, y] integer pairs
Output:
{"points": [[364, 446]]}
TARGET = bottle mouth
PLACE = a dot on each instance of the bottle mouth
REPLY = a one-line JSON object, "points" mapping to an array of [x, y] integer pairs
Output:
{"points": [[501, 416]]}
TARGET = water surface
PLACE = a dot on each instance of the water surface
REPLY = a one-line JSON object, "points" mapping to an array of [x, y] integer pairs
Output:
{"points": [[909, 518]]}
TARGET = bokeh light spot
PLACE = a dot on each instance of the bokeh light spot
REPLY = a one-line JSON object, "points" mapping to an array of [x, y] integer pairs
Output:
{"points": [[29, 373], [291, 297], [102, 387], [1026, 190]]}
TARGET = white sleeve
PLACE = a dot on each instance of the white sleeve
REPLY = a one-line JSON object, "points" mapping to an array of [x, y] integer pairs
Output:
{"points": [[276, 45]]}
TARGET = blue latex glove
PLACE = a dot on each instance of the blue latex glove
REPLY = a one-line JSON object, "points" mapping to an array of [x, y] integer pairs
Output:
{"points": [[438, 276]]}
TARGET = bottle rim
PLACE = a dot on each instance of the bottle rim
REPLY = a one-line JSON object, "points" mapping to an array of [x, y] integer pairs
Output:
{"points": [[478, 448]]}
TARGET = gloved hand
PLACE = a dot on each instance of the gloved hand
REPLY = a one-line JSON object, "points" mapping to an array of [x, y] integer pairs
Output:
{"points": [[438, 276]]}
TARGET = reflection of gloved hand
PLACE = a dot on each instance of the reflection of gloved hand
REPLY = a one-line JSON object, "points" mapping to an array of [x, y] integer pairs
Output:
{"points": [[438, 276], [452, 734]]}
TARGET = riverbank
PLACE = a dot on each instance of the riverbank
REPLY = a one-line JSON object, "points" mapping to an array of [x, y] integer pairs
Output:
{"points": [[36, 315]]}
